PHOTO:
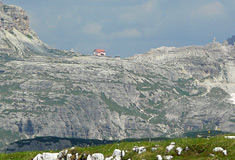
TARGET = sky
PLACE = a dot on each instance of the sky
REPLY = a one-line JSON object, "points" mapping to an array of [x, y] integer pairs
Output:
{"points": [[127, 27]]}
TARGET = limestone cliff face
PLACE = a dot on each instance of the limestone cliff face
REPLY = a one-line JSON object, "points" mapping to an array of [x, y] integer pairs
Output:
{"points": [[14, 17], [1, 6], [17, 39], [164, 92]]}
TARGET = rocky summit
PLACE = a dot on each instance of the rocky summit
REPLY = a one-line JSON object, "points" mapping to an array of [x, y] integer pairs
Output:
{"points": [[166, 91]]}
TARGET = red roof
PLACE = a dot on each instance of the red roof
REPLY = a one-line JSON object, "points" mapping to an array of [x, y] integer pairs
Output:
{"points": [[99, 50]]}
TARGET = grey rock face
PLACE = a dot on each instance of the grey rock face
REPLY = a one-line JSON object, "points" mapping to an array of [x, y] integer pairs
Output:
{"points": [[16, 37], [1, 6], [14, 17]]}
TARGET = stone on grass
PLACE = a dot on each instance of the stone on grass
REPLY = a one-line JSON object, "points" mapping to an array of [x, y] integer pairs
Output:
{"points": [[168, 157], [212, 155], [50, 156], [97, 156], [139, 150], [77, 156], [134, 149], [117, 153], [89, 157], [172, 143], [229, 137], [38, 157], [179, 150], [123, 153], [218, 149], [62, 154], [159, 157], [225, 152], [109, 158], [68, 157], [170, 147]]}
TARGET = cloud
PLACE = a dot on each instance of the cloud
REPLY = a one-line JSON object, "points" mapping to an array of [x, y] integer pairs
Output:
{"points": [[79, 19], [139, 12], [92, 29], [127, 33], [209, 10]]}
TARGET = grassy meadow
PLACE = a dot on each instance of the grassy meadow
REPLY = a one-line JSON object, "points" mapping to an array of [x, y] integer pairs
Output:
{"points": [[199, 148]]}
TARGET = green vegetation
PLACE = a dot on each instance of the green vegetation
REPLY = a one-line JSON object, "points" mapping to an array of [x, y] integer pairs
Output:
{"points": [[199, 148], [146, 86], [29, 36], [142, 96], [113, 106], [6, 89], [7, 136], [217, 93], [19, 156], [53, 101], [8, 111]]}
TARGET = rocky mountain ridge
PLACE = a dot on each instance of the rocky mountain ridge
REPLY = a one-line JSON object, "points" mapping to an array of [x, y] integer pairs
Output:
{"points": [[164, 92], [17, 39]]}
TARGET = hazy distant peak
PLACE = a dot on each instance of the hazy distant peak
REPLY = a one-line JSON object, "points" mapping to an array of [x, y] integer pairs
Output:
{"points": [[231, 40]]}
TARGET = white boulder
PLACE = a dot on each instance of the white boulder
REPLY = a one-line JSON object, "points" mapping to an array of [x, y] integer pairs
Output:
{"points": [[186, 148], [135, 149], [229, 137], [97, 156], [109, 158], [117, 158], [139, 150], [179, 150], [154, 149], [77, 156], [159, 157], [225, 152], [168, 157], [50, 156], [38, 157], [218, 149], [66, 151], [89, 157], [62, 154], [123, 153], [68, 157], [212, 155], [172, 143], [117, 153], [170, 147]]}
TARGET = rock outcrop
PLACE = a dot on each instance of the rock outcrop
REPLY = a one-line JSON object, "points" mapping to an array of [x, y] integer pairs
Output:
{"points": [[17, 39], [1, 6], [14, 17], [231, 40]]}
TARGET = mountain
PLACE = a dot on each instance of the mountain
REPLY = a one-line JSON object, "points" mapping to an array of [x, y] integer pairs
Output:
{"points": [[17, 40], [231, 40], [166, 91]]}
